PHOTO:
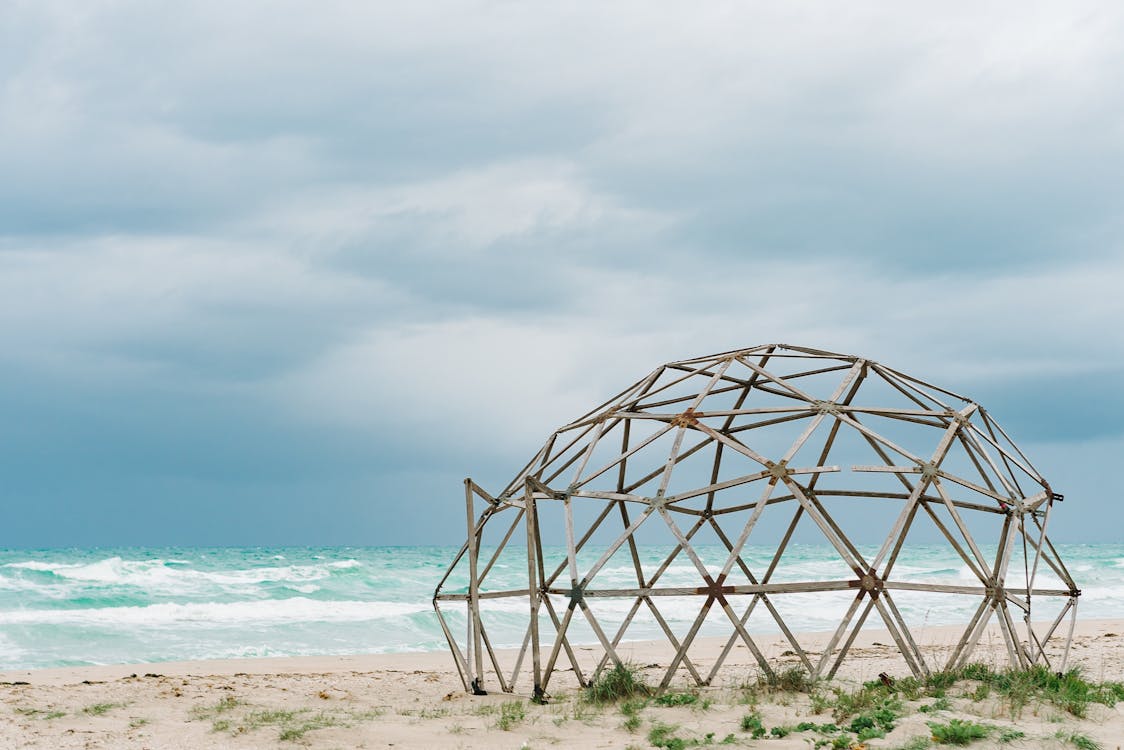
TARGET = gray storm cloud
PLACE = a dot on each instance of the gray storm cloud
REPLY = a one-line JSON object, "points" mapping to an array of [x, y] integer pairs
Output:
{"points": [[274, 259]]}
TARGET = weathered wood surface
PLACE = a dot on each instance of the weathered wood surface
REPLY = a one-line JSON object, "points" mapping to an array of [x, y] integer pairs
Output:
{"points": [[954, 470]]}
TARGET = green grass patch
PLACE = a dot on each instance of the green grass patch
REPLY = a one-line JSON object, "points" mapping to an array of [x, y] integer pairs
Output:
{"points": [[685, 698], [938, 704], [663, 735], [296, 731], [876, 722], [842, 742], [634, 706], [584, 712], [981, 693], [938, 682], [511, 713], [915, 743], [1070, 691], [874, 703], [819, 701], [976, 671], [792, 680], [958, 732], [909, 688], [100, 709], [40, 713], [1015, 688], [267, 717], [1010, 735], [621, 682], [752, 723], [1080, 741], [810, 726], [290, 725], [227, 703], [631, 710]]}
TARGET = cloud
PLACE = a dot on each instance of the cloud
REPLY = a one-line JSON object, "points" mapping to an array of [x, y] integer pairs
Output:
{"points": [[173, 307], [517, 379], [369, 237]]}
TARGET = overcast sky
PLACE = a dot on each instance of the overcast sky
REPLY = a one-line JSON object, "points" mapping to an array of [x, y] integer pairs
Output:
{"points": [[286, 273]]}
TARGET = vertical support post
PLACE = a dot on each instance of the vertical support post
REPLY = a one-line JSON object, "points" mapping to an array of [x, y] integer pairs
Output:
{"points": [[475, 654], [533, 592]]}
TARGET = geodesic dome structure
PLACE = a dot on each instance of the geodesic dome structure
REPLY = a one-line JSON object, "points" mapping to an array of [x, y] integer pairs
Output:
{"points": [[686, 504]]}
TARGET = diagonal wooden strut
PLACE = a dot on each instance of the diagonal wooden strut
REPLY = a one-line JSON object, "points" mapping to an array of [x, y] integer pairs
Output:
{"points": [[751, 413]]}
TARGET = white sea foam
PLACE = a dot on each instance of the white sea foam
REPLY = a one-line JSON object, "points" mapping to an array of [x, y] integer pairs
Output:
{"points": [[157, 573], [35, 565], [270, 612], [60, 607]]}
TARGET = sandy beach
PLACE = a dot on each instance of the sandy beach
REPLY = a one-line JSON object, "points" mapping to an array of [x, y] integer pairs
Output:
{"points": [[417, 701]]}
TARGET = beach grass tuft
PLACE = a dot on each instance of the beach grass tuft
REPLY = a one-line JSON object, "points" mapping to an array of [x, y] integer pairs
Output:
{"points": [[621, 682], [291, 725], [680, 698], [1078, 740], [938, 704], [752, 723], [511, 713], [920, 742], [631, 710], [876, 722], [225, 704], [663, 735], [40, 713], [959, 732], [792, 680], [874, 700], [1069, 691], [296, 731], [1008, 735]]}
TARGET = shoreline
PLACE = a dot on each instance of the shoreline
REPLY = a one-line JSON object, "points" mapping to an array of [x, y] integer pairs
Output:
{"points": [[934, 640], [416, 700]]}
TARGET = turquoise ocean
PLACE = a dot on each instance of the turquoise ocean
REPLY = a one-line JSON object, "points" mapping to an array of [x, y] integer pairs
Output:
{"points": [[71, 607]]}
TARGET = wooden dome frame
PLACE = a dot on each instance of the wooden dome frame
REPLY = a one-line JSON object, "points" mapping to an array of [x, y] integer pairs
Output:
{"points": [[680, 401]]}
